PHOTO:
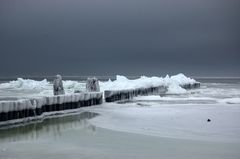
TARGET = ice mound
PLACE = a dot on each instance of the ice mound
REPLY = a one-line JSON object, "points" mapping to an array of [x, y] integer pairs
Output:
{"points": [[21, 83], [173, 83], [73, 85], [181, 79]]}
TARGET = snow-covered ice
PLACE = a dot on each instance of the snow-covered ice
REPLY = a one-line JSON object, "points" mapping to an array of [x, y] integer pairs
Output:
{"points": [[24, 88], [173, 83]]}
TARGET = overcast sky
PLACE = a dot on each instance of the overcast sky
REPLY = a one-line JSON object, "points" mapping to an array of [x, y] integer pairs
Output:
{"points": [[128, 37]]}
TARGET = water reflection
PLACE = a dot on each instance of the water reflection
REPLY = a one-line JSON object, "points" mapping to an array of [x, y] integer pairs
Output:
{"points": [[50, 126]]}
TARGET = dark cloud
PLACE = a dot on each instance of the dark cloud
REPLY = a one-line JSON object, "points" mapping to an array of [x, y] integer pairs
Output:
{"points": [[108, 37]]}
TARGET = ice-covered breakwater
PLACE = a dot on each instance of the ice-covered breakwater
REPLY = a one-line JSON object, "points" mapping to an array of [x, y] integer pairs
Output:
{"points": [[123, 88], [191, 85], [119, 89], [116, 95], [174, 83], [13, 110]]}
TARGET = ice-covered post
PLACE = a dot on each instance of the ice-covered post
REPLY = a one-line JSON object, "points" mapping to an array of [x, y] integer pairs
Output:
{"points": [[58, 85], [92, 85]]}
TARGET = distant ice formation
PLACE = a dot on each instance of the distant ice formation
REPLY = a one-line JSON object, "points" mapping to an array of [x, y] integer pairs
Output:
{"points": [[172, 82]]}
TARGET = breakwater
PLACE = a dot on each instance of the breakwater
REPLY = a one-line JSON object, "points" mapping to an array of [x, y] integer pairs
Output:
{"points": [[12, 110]]}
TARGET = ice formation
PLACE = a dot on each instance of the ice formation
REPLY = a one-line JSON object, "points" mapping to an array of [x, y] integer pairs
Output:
{"points": [[58, 85], [173, 83], [92, 85], [44, 87], [21, 83]]}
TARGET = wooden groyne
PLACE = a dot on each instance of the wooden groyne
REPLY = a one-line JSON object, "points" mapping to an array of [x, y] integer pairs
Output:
{"points": [[12, 110], [191, 85], [116, 95]]}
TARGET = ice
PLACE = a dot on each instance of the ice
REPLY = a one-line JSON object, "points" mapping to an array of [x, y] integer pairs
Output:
{"points": [[173, 83], [157, 98], [181, 79], [172, 120], [92, 85], [230, 101], [173, 88], [21, 83], [72, 86], [58, 85], [31, 88]]}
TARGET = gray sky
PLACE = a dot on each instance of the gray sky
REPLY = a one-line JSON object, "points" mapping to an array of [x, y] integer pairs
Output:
{"points": [[129, 37]]}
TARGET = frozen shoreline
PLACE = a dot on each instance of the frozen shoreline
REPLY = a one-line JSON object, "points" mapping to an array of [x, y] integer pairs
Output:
{"points": [[81, 139]]}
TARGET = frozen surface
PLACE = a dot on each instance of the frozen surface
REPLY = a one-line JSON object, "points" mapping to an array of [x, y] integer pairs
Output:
{"points": [[182, 121], [135, 136]]}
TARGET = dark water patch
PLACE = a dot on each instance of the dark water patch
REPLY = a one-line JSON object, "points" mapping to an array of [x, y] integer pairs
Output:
{"points": [[48, 126]]}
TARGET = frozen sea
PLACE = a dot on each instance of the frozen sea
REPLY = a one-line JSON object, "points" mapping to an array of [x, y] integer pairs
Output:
{"points": [[173, 126]]}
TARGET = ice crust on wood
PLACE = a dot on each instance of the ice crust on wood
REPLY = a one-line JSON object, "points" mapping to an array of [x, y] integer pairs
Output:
{"points": [[92, 85], [116, 95], [7, 106], [58, 85]]}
